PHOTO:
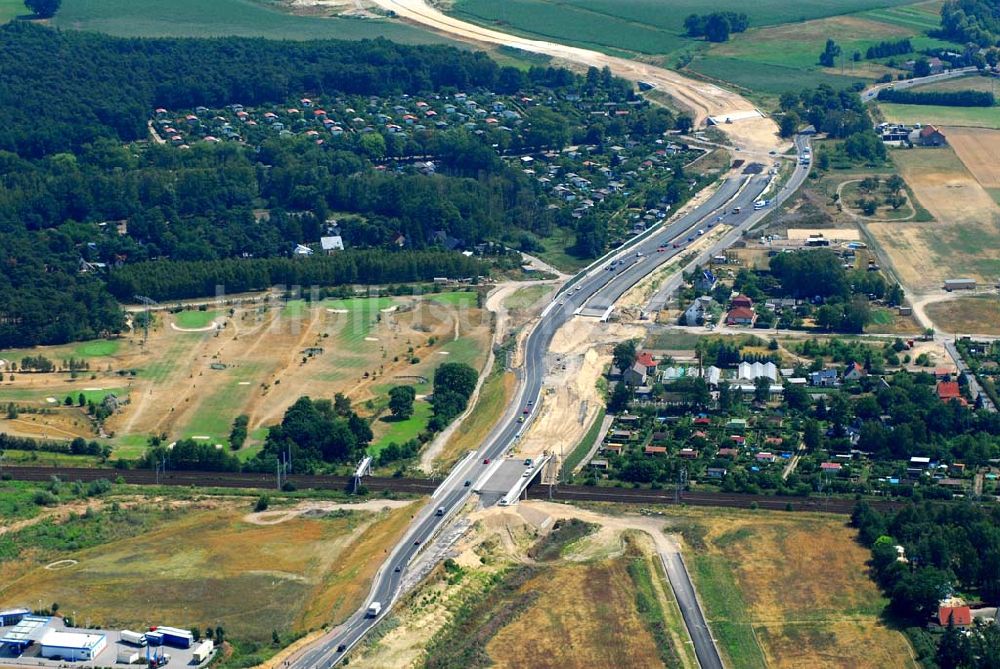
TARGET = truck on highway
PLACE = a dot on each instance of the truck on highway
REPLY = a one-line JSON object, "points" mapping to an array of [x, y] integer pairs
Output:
{"points": [[134, 638], [374, 609], [440, 511]]}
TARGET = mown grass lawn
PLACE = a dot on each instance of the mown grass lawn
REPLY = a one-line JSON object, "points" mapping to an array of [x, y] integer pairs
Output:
{"points": [[389, 430], [194, 319]]}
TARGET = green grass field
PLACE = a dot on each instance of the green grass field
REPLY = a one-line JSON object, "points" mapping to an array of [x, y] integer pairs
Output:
{"points": [[243, 18], [98, 348], [527, 297], [976, 117], [194, 319], [401, 431], [359, 320], [463, 299], [765, 78], [11, 9]]}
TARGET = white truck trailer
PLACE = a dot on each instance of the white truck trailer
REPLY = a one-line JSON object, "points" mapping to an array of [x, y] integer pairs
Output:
{"points": [[374, 609], [134, 638]]}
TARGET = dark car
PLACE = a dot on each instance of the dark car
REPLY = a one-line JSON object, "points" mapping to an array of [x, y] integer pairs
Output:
{"points": [[468, 483], [398, 569], [341, 648]]}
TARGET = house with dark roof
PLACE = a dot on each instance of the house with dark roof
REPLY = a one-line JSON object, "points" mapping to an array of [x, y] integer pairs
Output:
{"points": [[929, 135], [854, 372]]}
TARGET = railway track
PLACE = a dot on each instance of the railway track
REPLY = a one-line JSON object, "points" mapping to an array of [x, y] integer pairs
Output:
{"points": [[216, 479], [568, 493], [731, 500]]}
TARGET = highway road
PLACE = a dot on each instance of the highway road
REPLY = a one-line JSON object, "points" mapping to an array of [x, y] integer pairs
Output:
{"points": [[595, 285], [870, 94]]}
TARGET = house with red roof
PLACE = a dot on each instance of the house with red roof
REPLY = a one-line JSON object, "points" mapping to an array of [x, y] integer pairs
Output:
{"points": [[741, 301], [948, 391], [646, 360], [959, 616], [931, 136], [741, 316], [728, 452]]}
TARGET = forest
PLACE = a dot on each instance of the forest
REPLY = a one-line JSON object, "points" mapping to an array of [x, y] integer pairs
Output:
{"points": [[947, 550], [91, 210], [976, 21]]}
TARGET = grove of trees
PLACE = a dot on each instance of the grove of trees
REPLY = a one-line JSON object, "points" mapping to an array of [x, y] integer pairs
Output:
{"points": [[944, 98]]}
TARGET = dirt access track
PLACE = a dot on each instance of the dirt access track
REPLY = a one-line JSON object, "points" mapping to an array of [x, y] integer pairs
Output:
{"points": [[755, 135]]}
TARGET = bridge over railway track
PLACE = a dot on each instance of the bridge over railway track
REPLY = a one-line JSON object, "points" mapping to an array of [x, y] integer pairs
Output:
{"points": [[565, 493]]}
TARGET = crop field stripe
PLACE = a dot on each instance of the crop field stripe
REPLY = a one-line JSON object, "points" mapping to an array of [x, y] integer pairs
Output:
{"points": [[245, 18]]}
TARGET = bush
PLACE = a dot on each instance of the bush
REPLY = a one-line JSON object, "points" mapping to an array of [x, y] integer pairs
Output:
{"points": [[45, 498], [262, 503]]}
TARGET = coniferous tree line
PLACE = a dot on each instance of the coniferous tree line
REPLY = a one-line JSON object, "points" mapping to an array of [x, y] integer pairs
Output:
{"points": [[169, 280], [885, 49], [944, 98]]}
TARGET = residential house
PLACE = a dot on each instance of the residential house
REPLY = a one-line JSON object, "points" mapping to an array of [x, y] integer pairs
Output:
{"points": [[948, 391], [854, 372], [741, 301], [716, 472], [302, 251], [655, 450], [825, 378], [831, 467], [765, 456], [646, 360], [635, 375], [959, 616], [928, 135], [741, 316], [699, 309], [705, 281], [728, 452], [688, 454]]}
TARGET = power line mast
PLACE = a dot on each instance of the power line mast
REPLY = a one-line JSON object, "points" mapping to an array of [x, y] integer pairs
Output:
{"points": [[147, 302], [682, 479]]}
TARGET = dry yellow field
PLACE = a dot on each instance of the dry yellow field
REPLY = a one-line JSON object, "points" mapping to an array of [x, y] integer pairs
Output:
{"points": [[802, 593], [978, 315], [584, 617], [980, 151], [213, 567], [963, 239]]}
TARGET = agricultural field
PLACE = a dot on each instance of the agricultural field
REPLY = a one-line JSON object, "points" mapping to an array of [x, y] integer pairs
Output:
{"points": [[756, 575], [244, 18], [965, 231], [201, 369], [785, 57], [971, 83], [972, 117], [297, 567], [750, 61], [979, 314]]}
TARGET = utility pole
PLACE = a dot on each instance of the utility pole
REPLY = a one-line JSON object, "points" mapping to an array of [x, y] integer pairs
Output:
{"points": [[682, 478], [145, 326]]}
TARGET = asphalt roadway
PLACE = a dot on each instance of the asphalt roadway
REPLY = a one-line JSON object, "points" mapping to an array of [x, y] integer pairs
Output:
{"points": [[594, 286]]}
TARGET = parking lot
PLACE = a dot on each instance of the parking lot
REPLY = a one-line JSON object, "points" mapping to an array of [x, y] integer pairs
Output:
{"points": [[179, 657]]}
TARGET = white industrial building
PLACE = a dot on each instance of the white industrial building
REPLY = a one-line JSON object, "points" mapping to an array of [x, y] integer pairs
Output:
{"points": [[753, 371], [72, 646]]}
